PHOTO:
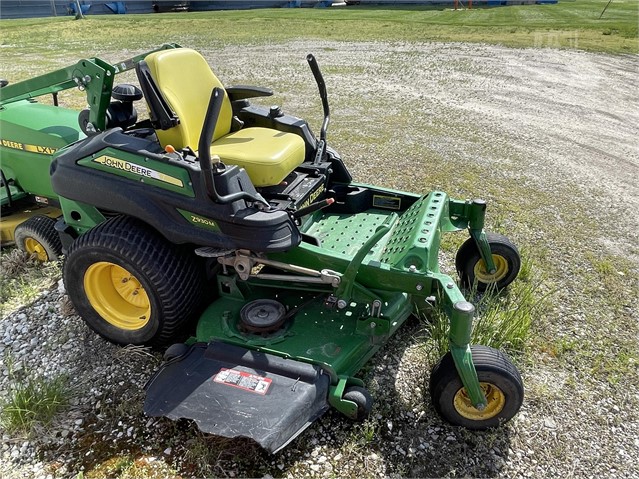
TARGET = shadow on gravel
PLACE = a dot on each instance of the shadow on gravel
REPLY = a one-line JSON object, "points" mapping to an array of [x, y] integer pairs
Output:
{"points": [[404, 436], [453, 452], [406, 432], [109, 436]]}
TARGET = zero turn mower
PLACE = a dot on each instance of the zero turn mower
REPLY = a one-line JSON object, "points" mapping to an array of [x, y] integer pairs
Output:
{"points": [[306, 273]]}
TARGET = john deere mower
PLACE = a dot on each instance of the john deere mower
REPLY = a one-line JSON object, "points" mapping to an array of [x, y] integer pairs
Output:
{"points": [[217, 208], [29, 134]]}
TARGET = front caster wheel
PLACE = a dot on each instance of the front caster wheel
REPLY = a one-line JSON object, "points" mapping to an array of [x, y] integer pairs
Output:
{"points": [[472, 269], [362, 398], [498, 378]]}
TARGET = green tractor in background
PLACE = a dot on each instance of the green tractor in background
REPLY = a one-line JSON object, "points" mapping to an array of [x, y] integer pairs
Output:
{"points": [[30, 133], [236, 214]]}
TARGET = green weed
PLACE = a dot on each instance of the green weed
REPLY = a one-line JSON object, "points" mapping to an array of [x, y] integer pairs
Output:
{"points": [[503, 318], [23, 278], [209, 456], [603, 265], [526, 269], [365, 434], [563, 346], [613, 365], [33, 401], [612, 275]]}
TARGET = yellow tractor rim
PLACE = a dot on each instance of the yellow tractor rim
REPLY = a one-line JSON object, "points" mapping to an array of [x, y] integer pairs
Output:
{"points": [[33, 246], [495, 402], [501, 270], [117, 296]]}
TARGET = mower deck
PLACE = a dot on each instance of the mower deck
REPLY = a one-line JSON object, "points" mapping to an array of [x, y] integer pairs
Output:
{"points": [[340, 337], [341, 340], [296, 323], [15, 218], [303, 363]]}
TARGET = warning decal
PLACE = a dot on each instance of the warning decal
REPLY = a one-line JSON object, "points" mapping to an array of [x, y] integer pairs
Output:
{"points": [[240, 379], [387, 202]]}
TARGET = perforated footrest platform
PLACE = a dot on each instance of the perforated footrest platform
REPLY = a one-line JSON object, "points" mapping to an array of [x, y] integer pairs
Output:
{"points": [[418, 229]]}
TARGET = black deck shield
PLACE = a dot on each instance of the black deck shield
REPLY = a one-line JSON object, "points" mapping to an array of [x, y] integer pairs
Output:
{"points": [[235, 392]]}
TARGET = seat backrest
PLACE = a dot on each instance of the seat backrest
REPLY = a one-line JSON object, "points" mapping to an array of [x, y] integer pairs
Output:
{"points": [[186, 82]]}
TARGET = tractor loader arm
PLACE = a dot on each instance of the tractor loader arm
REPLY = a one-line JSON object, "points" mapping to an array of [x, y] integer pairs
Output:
{"points": [[93, 75]]}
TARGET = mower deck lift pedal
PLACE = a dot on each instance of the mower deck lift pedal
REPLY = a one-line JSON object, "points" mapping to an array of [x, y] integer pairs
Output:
{"points": [[231, 391]]}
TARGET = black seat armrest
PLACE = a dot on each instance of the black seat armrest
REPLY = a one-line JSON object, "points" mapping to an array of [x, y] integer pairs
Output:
{"points": [[242, 92]]}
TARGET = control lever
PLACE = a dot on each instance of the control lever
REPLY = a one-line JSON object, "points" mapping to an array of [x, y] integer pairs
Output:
{"points": [[319, 79]]}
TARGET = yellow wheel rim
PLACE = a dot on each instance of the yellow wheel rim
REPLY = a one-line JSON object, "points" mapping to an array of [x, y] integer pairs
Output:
{"points": [[501, 270], [33, 246], [117, 296], [495, 398]]}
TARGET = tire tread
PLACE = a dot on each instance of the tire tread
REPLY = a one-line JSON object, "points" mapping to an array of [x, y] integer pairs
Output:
{"points": [[42, 229], [486, 359], [174, 275], [468, 254]]}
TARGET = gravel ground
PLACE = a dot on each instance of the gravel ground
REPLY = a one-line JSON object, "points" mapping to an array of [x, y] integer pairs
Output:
{"points": [[559, 127]]}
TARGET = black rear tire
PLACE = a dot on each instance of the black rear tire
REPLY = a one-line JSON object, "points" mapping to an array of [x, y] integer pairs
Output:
{"points": [[130, 285], [471, 268], [37, 236], [500, 382]]}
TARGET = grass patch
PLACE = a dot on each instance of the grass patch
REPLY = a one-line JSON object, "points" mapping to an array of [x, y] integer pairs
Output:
{"points": [[204, 455], [130, 467], [23, 278], [33, 401], [615, 367], [565, 25], [612, 275], [503, 318]]}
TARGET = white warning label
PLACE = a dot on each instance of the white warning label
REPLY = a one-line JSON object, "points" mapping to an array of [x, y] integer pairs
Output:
{"points": [[243, 380]]}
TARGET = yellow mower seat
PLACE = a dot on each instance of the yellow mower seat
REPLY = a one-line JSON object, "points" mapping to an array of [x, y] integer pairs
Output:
{"points": [[186, 82]]}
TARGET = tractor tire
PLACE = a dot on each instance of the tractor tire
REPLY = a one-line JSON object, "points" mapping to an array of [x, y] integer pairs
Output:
{"points": [[362, 398], [37, 237], [472, 269], [499, 379], [130, 285]]}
